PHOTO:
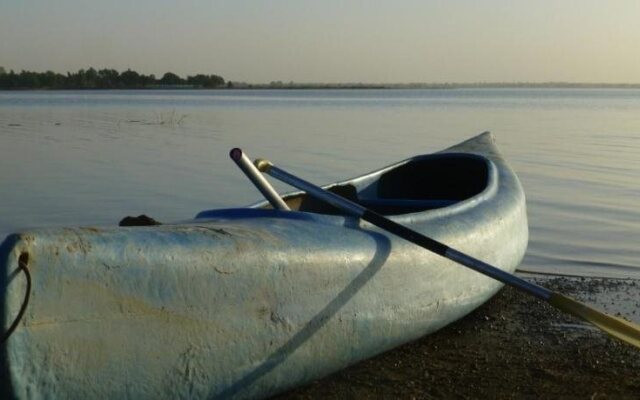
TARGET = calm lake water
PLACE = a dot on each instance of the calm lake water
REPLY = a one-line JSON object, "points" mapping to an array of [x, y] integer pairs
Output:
{"points": [[93, 157]]}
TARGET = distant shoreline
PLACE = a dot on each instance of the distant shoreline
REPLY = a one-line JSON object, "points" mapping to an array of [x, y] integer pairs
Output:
{"points": [[350, 86], [111, 79], [490, 85]]}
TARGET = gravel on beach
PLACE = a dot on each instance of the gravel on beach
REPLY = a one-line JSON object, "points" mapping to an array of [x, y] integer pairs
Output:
{"points": [[514, 346]]}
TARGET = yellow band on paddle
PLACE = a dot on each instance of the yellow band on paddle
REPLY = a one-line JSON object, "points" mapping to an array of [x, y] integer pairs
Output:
{"points": [[262, 164], [616, 327]]}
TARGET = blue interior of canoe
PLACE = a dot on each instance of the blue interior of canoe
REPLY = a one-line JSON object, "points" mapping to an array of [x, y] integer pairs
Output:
{"points": [[414, 185]]}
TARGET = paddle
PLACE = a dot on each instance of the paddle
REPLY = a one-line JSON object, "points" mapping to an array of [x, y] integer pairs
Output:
{"points": [[617, 327], [258, 180]]}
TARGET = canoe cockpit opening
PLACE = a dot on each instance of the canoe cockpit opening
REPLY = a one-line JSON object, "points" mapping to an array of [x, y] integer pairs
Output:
{"points": [[420, 184]]}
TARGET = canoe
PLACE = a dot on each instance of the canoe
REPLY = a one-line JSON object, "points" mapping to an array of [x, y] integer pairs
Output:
{"points": [[249, 302]]}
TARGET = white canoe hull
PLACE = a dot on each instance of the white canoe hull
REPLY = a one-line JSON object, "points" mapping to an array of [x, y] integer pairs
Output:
{"points": [[242, 307]]}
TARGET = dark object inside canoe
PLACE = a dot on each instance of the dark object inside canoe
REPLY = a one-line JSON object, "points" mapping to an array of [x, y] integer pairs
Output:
{"points": [[422, 183], [140, 220]]}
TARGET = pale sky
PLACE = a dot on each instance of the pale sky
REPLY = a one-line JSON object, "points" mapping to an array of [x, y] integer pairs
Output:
{"points": [[397, 41]]}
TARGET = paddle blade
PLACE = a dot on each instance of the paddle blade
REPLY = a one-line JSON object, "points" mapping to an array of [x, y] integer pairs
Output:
{"points": [[617, 327]]}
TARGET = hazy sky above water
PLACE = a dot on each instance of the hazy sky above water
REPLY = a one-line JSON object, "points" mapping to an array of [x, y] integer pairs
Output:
{"points": [[330, 40]]}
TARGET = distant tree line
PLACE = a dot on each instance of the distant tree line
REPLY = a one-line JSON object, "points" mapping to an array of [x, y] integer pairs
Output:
{"points": [[103, 79]]}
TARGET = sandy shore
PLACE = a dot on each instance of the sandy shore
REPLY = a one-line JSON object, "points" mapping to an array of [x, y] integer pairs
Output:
{"points": [[512, 347]]}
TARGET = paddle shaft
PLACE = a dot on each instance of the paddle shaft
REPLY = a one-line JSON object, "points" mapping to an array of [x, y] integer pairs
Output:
{"points": [[404, 232], [245, 164]]}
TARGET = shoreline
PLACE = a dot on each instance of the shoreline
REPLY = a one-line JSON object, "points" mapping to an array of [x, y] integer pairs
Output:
{"points": [[514, 346], [345, 86]]}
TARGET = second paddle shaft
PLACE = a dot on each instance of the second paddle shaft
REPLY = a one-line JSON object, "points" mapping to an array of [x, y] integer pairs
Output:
{"points": [[258, 180], [404, 232]]}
